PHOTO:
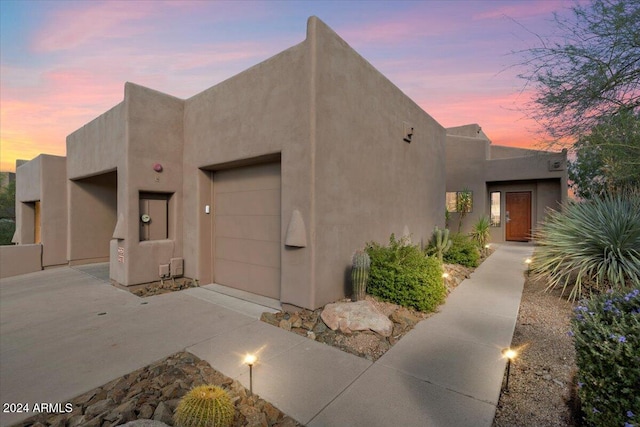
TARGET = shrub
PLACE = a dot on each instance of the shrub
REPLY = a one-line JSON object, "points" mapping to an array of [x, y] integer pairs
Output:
{"points": [[463, 251], [607, 341], [404, 275], [594, 243], [7, 228]]}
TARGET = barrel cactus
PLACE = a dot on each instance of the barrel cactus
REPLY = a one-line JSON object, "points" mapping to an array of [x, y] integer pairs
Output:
{"points": [[205, 406], [360, 274], [440, 242]]}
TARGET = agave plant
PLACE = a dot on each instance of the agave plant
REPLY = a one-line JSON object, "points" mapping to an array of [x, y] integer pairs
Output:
{"points": [[481, 233], [592, 244]]}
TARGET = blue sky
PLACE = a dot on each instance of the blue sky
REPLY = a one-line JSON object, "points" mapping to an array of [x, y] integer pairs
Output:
{"points": [[63, 63]]}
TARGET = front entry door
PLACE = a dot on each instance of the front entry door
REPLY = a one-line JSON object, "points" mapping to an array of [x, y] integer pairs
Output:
{"points": [[518, 213]]}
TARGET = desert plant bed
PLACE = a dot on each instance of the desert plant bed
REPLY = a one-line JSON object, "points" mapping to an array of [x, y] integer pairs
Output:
{"points": [[366, 344], [154, 392]]}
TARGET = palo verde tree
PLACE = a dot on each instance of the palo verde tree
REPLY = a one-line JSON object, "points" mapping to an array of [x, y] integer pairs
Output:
{"points": [[587, 73], [608, 158]]}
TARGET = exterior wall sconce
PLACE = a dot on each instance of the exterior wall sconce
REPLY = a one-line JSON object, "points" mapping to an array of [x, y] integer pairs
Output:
{"points": [[407, 132]]}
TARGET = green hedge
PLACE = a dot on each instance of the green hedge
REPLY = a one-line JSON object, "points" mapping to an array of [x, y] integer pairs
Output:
{"points": [[607, 341], [463, 251], [404, 275]]}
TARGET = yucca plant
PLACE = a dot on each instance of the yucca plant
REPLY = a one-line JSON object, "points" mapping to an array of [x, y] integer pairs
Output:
{"points": [[594, 245], [481, 233]]}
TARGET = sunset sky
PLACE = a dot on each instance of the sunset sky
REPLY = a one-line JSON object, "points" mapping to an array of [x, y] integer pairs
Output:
{"points": [[63, 63]]}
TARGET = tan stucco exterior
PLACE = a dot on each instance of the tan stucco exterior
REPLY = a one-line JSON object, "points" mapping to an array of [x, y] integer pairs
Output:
{"points": [[41, 207], [475, 164], [323, 149]]}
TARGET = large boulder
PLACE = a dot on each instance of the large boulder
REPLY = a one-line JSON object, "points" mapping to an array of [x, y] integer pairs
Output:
{"points": [[356, 316]]}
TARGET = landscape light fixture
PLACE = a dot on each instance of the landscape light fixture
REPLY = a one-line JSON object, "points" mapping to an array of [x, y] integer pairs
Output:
{"points": [[250, 359], [445, 275], [510, 355], [528, 262]]}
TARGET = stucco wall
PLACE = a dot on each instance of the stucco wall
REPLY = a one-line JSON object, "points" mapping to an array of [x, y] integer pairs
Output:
{"points": [[98, 146], [92, 217], [54, 210], [43, 180], [466, 170], [263, 111], [20, 259], [369, 182], [96, 168], [28, 189], [155, 136]]}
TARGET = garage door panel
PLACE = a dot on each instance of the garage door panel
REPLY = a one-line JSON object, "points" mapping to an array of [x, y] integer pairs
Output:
{"points": [[249, 227], [240, 276], [259, 202], [248, 251], [262, 177]]}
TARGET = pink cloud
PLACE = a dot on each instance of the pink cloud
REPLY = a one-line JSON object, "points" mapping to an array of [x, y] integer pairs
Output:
{"points": [[86, 21], [523, 9]]}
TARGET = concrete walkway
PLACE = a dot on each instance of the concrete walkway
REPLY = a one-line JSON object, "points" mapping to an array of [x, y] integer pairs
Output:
{"points": [[64, 332]]}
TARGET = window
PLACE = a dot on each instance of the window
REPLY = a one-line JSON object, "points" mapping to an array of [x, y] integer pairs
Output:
{"points": [[495, 209], [459, 201]]}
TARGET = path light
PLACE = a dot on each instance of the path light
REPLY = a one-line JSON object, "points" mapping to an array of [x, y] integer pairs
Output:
{"points": [[445, 275], [528, 262], [250, 359], [509, 354]]}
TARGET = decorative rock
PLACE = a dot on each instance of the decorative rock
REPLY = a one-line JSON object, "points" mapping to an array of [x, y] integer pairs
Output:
{"points": [[76, 421], [146, 411], [356, 316], [163, 413], [319, 328], [296, 321], [285, 324], [271, 412], [144, 423], [98, 408], [311, 335], [254, 417]]}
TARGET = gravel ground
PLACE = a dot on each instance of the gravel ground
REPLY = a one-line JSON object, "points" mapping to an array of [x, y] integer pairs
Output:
{"points": [[540, 383]]}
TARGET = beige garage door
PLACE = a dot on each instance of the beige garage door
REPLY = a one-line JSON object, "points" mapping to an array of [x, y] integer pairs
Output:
{"points": [[247, 229]]}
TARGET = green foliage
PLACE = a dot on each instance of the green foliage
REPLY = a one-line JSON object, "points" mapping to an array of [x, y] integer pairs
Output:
{"points": [[464, 203], [463, 251], [205, 406], [360, 274], [588, 70], [594, 245], [7, 229], [608, 158], [8, 201], [447, 218], [607, 342], [440, 243], [404, 275], [481, 232]]}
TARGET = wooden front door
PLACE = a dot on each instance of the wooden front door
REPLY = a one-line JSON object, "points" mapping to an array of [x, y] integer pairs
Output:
{"points": [[518, 216]]}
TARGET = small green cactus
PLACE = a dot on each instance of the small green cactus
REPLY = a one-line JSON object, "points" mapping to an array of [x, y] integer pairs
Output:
{"points": [[205, 406], [440, 241], [360, 274]]}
